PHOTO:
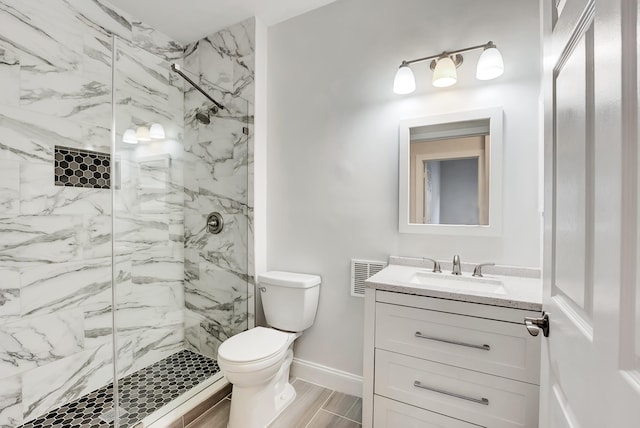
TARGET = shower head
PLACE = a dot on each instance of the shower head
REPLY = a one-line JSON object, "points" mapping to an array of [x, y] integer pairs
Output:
{"points": [[204, 117]]}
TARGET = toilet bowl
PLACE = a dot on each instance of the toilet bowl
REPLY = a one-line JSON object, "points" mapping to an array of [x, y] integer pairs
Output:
{"points": [[257, 361]]}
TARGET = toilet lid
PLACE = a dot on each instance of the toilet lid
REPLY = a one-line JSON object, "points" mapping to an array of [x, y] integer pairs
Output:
{"points": [[254, 344]]}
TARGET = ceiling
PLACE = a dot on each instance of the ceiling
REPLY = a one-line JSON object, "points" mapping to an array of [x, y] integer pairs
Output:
{"points": [[189, 20]]}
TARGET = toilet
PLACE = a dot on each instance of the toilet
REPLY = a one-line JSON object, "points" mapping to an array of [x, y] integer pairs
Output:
{"points": [[257, 361]]}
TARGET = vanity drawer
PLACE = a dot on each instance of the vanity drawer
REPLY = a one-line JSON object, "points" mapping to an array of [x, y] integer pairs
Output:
{"points": [[496, 347], [391, 414], [478, 398]]}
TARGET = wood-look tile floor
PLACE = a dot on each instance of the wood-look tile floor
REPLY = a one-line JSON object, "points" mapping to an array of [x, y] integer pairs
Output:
{"points": [[314, 407]]}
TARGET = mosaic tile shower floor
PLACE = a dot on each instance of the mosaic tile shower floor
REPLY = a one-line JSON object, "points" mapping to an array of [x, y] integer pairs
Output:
{"points": [[141, 393]]}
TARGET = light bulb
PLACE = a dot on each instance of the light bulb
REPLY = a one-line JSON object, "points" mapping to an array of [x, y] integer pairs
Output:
{"points": [[156, 131], [445, 73], [404, 83], [490, 64], [129, 137], [142, 133]]}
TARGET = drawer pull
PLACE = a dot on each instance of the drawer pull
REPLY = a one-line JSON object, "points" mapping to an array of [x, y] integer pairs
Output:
{"points": [[483, 401], [453, 342]]}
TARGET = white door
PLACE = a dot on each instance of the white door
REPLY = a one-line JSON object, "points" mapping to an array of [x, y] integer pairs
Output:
{"points": [[591, 359]]}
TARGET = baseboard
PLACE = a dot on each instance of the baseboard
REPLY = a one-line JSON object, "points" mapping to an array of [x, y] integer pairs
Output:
{"points": [[328, 377]]}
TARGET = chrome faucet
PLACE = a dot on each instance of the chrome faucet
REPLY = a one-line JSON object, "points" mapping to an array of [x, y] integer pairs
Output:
{"points": [[478, 269], [436, 265], [456, 265]]}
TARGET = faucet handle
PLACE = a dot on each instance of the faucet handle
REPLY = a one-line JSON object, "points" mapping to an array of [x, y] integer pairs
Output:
{"points": [[436, 264], [478, 269]]}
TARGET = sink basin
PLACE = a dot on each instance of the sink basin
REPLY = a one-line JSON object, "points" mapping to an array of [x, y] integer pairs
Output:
{"points": [[457, 283]]}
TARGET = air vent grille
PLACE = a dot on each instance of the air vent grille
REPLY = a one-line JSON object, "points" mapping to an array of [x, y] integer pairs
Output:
{"points": [[361, 270]]}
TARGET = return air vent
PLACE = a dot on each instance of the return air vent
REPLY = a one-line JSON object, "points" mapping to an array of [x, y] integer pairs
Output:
{"points": [[361, 270]]}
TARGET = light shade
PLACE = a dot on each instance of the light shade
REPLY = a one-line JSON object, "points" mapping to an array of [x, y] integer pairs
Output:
{"points": [[142, 134], [404, 83], [490, 64], [129, 137], [445, 73], [156, 131]]}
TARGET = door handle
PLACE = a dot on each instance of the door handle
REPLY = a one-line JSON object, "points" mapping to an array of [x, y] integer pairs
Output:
{"points": [[534, 325]]}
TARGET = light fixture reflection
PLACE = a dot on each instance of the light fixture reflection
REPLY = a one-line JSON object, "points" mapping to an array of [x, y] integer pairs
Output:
{"points": [[156, 131], [142, 134], [129, 137]]}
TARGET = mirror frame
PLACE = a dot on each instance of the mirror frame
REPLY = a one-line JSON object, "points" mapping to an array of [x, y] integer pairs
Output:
{"points": [[494, 228]]}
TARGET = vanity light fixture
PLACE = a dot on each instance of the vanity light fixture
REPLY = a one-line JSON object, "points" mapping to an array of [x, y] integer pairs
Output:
{"points": [[404, 83], [490, 66], [444, 71]]}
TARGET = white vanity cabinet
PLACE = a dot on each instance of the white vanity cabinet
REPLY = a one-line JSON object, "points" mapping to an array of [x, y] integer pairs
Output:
{"points": [[432, 362]]}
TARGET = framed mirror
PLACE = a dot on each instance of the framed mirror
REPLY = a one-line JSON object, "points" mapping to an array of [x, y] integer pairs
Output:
{"points": [[450, 173]]}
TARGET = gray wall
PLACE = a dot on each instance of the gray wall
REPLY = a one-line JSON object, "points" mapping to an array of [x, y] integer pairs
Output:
{"points": [[333, 143]]}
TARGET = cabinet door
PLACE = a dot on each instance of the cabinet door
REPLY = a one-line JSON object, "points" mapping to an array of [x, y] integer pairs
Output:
{"points": [[391, 414], [495, 347], [475, 397]]}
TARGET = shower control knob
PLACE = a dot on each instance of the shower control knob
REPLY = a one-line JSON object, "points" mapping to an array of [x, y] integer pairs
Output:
{"points": [[215, 223]]}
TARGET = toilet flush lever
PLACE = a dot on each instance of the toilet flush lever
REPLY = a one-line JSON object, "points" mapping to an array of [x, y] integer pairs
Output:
{"points": [[534, 325]]}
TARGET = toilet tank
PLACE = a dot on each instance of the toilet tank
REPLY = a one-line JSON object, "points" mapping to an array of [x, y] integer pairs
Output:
{"points": [[289, 300]]}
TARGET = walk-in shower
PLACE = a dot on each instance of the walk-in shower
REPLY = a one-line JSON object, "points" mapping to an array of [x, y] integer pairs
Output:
{"points": [[114, 296]]}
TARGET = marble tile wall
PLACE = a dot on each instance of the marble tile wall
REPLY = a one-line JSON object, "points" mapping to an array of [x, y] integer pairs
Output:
{"points": [[55, 242], [219, 280]]}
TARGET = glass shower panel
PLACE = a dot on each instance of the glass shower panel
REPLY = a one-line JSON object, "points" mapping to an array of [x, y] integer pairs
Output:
{"points": [[180, 290], [148, 224]]}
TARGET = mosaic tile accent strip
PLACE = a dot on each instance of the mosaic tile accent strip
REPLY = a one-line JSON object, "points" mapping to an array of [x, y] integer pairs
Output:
{"points": [[141, 393], [82, 168]]}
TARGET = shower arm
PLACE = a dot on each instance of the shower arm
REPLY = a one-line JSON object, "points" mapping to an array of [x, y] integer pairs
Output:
{"points": [[176, 68]]}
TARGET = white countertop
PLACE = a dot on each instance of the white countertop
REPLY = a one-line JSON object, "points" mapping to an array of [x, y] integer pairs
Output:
{"points": [[519, 292]]}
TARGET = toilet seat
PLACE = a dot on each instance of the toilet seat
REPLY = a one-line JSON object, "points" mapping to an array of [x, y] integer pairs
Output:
{"points": [[254, 349]]}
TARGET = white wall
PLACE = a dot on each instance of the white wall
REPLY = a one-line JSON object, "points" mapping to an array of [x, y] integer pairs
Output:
{"points": [[333, 143]]}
